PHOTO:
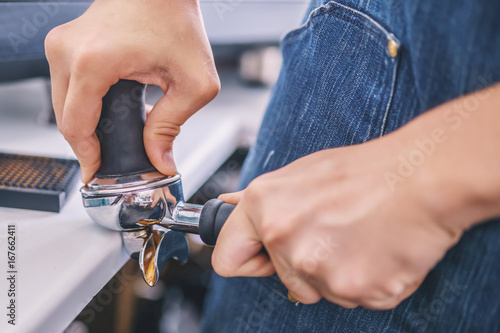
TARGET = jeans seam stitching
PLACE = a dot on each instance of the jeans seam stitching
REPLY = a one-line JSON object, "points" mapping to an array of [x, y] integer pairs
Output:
{"points": [[391, 97], [373, 28], [367, 17]]}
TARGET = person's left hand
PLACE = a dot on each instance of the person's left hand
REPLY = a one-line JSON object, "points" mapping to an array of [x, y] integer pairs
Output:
{"points": [[333, 227]]}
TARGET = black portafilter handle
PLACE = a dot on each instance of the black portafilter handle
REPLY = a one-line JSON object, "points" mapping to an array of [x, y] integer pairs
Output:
{"points": [[120, 131], [213, 216]]}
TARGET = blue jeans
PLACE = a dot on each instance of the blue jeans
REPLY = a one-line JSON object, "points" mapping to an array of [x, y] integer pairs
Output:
{"points": [[356, 70]]}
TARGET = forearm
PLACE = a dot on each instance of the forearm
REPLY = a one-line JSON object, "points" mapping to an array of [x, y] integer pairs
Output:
{"points": [[455, 155]]}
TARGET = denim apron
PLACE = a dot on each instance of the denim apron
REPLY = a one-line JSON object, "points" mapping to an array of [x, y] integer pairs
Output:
{"points": [[356, 70]]}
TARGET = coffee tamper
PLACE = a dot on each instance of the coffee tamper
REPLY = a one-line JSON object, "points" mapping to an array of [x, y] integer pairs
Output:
{"points": [[129, 195]]}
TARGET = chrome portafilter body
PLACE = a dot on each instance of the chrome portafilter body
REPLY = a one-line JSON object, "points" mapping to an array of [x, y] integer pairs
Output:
{"points": [[123, 203], [120, 203]]}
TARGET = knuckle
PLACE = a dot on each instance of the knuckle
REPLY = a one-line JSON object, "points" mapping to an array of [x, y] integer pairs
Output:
{"points": [[163, 129], [68, 133], [94, 56], [211, 87], [346, 287], [220, 267], [53, 42], [254, 192], [394, 288], [205, 88], [278, 228], [72, 134], [83, 60], [305, 266], [271, 233]]}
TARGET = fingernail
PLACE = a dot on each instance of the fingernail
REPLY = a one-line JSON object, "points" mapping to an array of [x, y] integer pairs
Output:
{"points": [[168, 159]]}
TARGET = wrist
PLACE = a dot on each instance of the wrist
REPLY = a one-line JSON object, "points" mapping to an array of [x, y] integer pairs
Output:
{"points": [[454, 178], [457, 202], [451, 201]]}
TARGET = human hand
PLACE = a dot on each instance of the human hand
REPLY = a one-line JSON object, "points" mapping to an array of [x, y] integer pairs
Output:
{"points": [[333, 227], [160, 42]]}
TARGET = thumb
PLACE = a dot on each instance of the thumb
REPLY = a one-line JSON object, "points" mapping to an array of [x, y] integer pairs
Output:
{"points": [[164, 122], [162, 126], [231, 198]]}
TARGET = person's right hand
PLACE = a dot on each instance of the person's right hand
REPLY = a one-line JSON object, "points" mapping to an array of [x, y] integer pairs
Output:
{"points": [[160, 42]]}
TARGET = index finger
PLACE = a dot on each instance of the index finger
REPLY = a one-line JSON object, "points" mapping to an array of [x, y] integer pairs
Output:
{"points": [[238, 249], [79, 120]]}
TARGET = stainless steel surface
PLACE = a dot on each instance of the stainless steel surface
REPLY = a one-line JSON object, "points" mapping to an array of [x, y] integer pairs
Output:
{"points": [[133, 241], [106, 186], [160, 246], [137, 205], [119, 205], [185, 218]]}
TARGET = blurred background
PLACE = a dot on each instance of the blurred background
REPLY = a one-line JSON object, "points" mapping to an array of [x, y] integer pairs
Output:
{"points": [[245, 39]]}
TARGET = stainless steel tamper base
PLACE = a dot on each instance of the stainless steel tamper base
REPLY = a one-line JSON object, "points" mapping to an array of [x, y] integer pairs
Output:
{"points": [[119, 203], [135, 202]]}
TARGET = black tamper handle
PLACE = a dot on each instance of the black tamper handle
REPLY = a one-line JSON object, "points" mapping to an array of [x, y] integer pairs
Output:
{"points": [[213, 216], [120, 131]]}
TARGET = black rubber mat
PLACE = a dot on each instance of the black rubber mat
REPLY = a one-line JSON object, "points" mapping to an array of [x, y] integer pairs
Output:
{"points": [[38, 183]]}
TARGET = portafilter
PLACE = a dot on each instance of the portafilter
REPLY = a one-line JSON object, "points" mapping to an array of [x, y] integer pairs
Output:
{"points": [[129, 195]]}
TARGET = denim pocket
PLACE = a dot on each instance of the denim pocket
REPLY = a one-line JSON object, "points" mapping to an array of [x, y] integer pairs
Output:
{"points": [[335, 87]]}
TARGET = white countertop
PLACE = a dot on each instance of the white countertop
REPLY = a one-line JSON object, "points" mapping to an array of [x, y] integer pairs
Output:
{"points": [[64, 259]]}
